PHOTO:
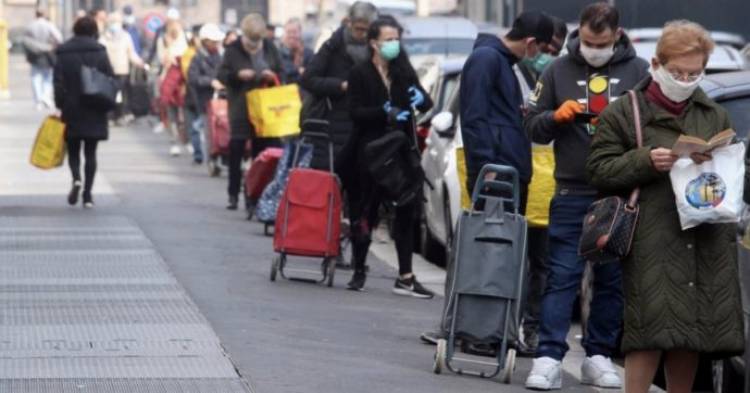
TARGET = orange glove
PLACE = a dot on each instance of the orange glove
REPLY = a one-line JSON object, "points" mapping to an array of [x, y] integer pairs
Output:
{"points": [[566, 113]]}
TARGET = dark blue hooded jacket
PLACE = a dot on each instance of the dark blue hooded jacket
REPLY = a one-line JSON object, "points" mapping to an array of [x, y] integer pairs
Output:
{"points": [[491, 110]]}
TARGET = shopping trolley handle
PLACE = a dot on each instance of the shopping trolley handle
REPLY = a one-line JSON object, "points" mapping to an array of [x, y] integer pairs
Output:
{"points": [[500, 184]]}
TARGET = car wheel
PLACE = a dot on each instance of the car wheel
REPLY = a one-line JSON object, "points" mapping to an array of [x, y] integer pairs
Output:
{"points": [[725, 378]]}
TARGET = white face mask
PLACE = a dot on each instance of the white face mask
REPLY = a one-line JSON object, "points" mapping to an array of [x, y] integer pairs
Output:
{"points": [[597, 57], [675, 90]]}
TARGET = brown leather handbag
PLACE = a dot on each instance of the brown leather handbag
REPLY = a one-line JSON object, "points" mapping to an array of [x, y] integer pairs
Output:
{"points": [[609, 224]]}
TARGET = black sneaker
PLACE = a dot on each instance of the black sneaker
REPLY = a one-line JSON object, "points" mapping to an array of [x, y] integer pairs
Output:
{"points": [[412, 287], [74, 192], [88, 201], [357, 282]]}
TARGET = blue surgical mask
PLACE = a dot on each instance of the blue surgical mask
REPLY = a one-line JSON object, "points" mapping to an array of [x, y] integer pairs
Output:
{"points": [[389, 50]]}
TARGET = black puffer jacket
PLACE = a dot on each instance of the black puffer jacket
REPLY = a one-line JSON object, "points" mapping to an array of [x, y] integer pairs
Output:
{"points": [[236, 59], [323, 78], [81, 120]]}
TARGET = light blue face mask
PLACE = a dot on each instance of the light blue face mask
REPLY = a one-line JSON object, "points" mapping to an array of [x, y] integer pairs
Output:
{"points": [[389, 50]]}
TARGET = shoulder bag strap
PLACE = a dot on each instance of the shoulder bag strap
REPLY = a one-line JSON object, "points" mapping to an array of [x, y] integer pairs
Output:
{"points": [[633, 200]]}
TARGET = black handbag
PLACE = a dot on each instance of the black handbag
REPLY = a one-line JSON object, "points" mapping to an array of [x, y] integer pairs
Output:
{"points": [[395, 167], [98, 89], [609, 224]]}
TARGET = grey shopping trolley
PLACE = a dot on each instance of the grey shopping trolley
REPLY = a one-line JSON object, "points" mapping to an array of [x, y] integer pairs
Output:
{"points": [[483, 308]]}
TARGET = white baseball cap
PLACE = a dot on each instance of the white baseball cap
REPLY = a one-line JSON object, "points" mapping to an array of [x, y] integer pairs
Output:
{"points": [[211, 32], [173, 14]]}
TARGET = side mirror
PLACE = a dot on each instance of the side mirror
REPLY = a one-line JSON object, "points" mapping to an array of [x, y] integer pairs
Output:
{"points": [[443, 124]]}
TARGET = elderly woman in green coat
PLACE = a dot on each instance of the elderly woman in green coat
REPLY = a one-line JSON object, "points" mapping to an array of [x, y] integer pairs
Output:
{"points": [[682, 292]]}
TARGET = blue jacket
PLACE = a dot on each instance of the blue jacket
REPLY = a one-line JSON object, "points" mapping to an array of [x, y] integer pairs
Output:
{"points": [[491, 110]]}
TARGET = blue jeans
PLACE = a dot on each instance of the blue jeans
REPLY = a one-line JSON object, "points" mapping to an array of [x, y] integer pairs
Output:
{"points": [[194, 133], [564, 280], [200, 126], [41, 85]]}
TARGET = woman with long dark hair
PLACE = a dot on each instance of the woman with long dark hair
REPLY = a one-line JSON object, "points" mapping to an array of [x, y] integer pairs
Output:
{"points": [[383, 94], [85, 125]]}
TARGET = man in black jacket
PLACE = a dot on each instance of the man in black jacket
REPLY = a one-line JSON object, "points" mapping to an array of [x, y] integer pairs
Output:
{"points": [[202, 82], [600, 66], [326, 76], [249, 63]]}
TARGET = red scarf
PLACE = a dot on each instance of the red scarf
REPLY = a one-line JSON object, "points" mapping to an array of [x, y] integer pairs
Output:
{"points": [[655, 95]]}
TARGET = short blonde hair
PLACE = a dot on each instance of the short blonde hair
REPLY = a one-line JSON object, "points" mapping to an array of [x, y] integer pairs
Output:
{"points": [[683, 37], [253, 23]]}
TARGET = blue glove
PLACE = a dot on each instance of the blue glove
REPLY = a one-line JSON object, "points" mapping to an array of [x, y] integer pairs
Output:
{"points": [[387, 107], [403, 116], [417, 98]]}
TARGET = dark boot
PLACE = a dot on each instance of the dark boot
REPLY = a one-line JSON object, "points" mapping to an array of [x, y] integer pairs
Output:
{"points": [[233, 202], [75, 191]]}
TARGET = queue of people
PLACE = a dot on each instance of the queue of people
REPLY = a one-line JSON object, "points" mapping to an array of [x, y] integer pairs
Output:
{"points": [[659, 302]]}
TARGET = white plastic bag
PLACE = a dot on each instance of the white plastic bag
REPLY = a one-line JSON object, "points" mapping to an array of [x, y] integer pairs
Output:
{"points": [[710, 193]]}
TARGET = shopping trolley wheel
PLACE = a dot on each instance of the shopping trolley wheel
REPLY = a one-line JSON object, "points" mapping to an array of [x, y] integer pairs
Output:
{"points": [[275, 267], [331, 271], [441, 351], [510, 366]]}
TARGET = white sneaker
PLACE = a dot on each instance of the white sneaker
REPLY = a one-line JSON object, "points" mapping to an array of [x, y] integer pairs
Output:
{"points": [[189, 148], [175, 150], [158, 128], [598, 371], [546, 374]]}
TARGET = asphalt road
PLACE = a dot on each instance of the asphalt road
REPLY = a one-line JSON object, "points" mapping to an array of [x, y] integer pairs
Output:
{"points": [[281, 337]]}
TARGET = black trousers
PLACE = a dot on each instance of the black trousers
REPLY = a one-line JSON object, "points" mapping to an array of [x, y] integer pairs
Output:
{"points": [[74, 161], [364, 212], [237, 150]]}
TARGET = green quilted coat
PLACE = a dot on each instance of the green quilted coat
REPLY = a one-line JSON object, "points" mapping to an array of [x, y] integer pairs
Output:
{"points": [[681, 287]]}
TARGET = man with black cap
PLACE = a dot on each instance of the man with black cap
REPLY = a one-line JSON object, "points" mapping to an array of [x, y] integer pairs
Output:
{"points": [[600, 66], [491, 99]]}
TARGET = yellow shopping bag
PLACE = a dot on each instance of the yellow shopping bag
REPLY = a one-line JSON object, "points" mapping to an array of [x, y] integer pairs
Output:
{"points": [[49, 147], [542, 186], [274, 111], [461, 169]]}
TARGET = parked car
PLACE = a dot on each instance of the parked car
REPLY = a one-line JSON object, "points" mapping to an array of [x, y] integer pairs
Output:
{"points": [[443, 193], [724, 58], [440, 78], [720, 37]]}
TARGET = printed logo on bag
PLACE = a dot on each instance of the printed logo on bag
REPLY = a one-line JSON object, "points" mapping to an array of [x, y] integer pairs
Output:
{"points": [[279, 109], [707, 191]]}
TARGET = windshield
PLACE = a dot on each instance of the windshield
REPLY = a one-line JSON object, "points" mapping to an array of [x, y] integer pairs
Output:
{"points": [[739, 112], [438, 46]]}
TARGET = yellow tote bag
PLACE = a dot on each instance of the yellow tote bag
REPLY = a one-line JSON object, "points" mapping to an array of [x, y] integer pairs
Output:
{"points": [[274, 111], [49, 147], [542, 186], [461, 169]]}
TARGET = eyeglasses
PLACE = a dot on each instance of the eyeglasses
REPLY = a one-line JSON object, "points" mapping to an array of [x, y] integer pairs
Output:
{"points": [[686, 76]]}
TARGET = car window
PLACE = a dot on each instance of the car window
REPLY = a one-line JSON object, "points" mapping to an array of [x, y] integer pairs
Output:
{"points": [[449, 86], [739, 112], [441, 46]]}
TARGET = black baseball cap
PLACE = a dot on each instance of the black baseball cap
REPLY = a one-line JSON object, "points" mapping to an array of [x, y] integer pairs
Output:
{"points": [[534, 24]]}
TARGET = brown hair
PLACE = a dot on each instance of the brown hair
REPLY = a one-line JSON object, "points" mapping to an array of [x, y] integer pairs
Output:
{"points": [[599, 17], [683, 37]]}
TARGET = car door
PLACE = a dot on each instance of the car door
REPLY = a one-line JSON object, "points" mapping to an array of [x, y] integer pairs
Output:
{"points": [[434, 159]]}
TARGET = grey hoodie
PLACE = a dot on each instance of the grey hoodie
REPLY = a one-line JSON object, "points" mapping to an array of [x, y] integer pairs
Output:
{"points": [[568, 78]]}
